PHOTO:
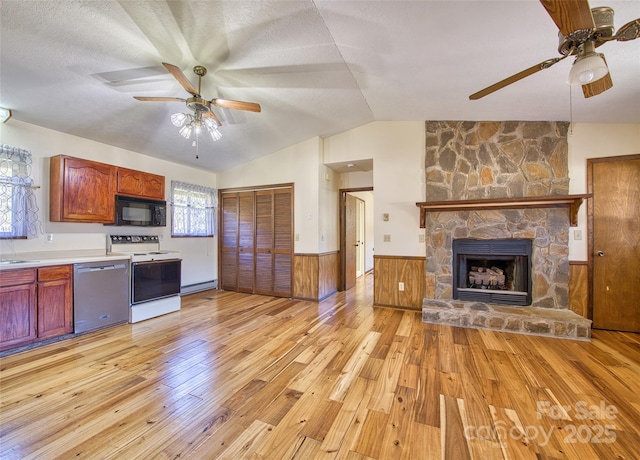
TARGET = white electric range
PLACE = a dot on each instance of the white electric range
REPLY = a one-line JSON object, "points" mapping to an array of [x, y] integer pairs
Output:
{"points": [[155, 275]]}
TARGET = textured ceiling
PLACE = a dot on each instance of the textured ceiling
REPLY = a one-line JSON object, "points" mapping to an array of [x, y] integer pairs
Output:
{"points": [[316, 67]]}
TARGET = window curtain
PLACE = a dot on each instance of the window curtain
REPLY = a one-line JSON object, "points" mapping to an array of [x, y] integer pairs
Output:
{"points": [[18, 206], [193, 209]]}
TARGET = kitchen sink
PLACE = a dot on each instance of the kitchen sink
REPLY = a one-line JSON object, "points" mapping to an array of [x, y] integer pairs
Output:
{"points": [[10, 262]]}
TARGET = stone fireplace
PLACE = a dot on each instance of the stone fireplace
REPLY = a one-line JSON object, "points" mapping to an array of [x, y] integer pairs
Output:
{"points": [[496, 161]]}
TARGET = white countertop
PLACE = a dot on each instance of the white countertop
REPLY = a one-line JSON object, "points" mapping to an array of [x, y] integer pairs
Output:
{"points": [[43, 259]]}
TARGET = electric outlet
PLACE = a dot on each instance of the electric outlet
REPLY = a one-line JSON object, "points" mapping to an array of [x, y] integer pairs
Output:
{"points": [[49, 238], [387, 238], [297, 236], [385, 217], [420, 238], [400, 286], [577, 234]]}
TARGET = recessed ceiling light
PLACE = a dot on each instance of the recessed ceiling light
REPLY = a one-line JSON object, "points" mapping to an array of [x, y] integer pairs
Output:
{"points": [[5, 114], [351, 165]]}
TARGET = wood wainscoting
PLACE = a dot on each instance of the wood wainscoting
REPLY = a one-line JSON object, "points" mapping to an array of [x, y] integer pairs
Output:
{"points": [[389, 271], [315, 276], [579, 287]]}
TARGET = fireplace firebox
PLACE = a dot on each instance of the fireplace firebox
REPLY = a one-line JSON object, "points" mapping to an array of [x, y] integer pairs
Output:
{"points": [[492, 271]]}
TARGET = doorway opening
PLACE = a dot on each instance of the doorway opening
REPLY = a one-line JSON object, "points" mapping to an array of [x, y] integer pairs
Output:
{"points": [[356, 235]]}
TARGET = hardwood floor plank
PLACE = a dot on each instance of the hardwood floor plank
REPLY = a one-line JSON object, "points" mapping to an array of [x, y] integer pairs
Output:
{"points": [[245, 376]]}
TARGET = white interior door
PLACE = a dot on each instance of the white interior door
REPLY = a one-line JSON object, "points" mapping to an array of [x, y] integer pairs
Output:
{"points": [[360, 238]]}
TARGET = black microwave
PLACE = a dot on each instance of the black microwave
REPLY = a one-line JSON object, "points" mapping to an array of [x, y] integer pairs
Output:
{"points": [[140, 212]]}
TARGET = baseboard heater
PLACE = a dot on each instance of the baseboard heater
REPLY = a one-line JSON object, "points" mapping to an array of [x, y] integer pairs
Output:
{"points": [[198, 287]]}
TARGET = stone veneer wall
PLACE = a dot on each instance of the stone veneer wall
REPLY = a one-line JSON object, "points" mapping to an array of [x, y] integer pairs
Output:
{"points": [[471, 160]]}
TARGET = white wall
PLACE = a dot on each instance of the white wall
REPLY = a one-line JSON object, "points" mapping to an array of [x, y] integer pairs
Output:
{"points": [[300, 165], [592, 140], [397, 149], [199, 254]]}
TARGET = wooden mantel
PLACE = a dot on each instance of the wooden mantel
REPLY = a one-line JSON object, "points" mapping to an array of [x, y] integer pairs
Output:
{"points": [[572, 202]]}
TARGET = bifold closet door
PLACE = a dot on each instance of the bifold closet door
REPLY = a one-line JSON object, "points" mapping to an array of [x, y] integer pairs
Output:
{"points": [[283, 242], [229, 241], [274, 242], [257, 241], [246, 242]]}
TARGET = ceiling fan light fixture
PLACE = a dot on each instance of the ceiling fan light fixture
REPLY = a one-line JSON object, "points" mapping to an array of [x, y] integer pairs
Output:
{"points": [[185, 131], [587, 69], [178, 119], [215, 134]]}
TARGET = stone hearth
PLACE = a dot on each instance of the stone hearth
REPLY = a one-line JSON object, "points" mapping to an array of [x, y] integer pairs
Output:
{"points": [[489, 160], [561, 323]]}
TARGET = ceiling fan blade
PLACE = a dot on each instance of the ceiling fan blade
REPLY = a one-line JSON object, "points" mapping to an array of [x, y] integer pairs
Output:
{"points": [[629, 31], [514, 78], [570, 15], [598, 86], [237, 105], [178, 75], [163, 99], [212, 115]]}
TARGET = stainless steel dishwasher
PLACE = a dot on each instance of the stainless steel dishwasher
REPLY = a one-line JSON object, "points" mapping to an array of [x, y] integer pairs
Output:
{"points": [[100, 294]]}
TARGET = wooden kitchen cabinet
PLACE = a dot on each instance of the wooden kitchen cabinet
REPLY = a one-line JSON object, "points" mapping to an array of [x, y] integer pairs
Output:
{"points": [[55, 301], [140, 184], [35, 304], [17, 307], [81, 190]]}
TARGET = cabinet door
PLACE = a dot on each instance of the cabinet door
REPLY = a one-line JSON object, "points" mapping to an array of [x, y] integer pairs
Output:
{"points": [[129, 182], [17, 308], [82, 191], [140, 184], [153, 186], [55, 301]]}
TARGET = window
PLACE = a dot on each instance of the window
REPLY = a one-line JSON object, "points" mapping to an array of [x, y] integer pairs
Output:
{"points": [[18, 208], [193, 209]]}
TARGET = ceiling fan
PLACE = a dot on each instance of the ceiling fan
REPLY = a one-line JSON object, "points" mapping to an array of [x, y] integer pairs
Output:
{"points": [[200, 106], [581, 30]]}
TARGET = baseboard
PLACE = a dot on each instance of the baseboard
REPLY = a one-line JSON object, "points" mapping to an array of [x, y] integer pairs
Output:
{"points": [[198, 287]]}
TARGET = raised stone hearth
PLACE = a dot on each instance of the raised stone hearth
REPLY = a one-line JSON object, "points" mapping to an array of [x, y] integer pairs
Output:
{"points": [[467, 160], [560, 323]]}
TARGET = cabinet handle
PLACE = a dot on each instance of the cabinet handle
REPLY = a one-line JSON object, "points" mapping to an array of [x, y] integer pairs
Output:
{"points": [[600, 253]]}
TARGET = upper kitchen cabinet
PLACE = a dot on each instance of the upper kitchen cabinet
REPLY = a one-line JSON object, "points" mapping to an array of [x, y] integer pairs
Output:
{"points": [[137, 183], [81, 190]]}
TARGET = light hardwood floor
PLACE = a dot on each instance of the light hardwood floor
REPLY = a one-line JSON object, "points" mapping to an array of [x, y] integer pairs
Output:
{"points": [[241, 376]]}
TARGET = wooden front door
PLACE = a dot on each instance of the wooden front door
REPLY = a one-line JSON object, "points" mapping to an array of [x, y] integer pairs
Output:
{"points": [[615, 244]]}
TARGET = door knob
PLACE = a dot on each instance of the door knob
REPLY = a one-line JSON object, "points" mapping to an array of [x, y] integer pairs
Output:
{"points": [[600, 254]]}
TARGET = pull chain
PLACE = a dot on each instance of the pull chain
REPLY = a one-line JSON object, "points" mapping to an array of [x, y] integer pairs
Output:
{"points": [[570, 111]]}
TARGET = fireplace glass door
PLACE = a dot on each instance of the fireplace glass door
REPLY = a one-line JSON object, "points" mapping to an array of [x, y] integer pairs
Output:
{"points": [[492, 271]]}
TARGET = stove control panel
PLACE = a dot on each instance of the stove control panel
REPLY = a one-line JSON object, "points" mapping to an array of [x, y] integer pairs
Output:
{"points": [[133, 239]]}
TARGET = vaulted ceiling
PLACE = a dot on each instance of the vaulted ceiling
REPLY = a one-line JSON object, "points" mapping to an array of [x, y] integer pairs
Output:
{"points": [[317, 68]]}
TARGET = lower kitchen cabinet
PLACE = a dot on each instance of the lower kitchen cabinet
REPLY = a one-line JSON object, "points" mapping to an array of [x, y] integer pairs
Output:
{"points": [[55, 301], [35, 304]]}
